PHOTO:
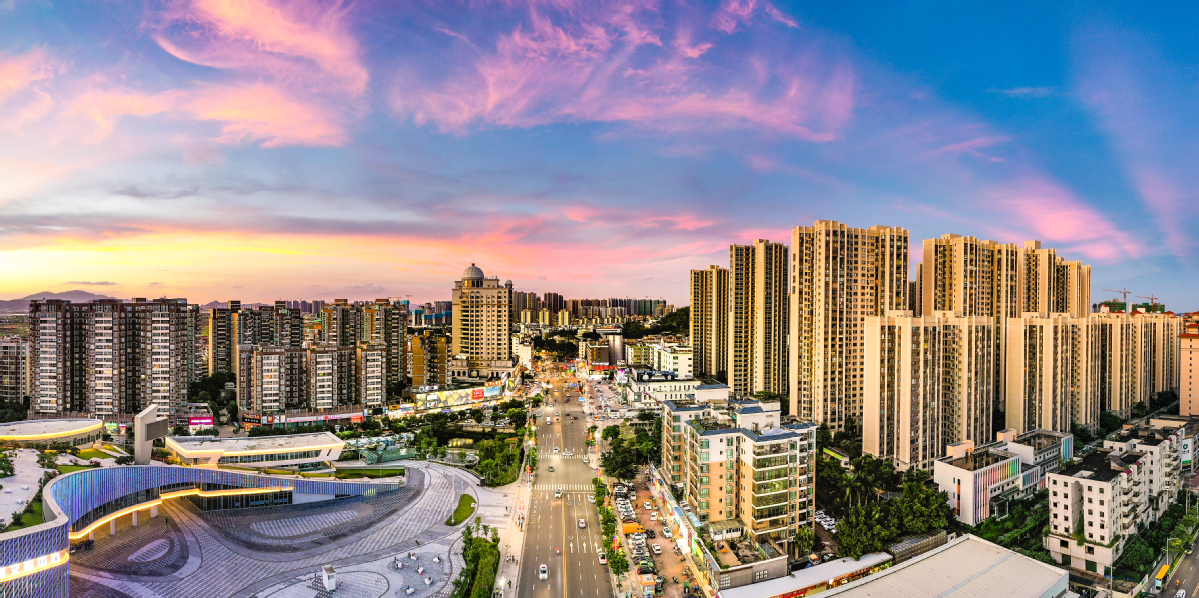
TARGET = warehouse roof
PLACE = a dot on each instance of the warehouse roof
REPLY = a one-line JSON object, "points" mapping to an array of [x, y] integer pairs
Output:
{"points": [[966, 567]]}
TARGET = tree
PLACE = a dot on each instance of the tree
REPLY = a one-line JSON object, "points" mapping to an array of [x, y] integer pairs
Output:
{"points": [[923, 508], [611, 433], [860, 532], [1137, 555], [125, 460], [1109, 422], [647, 416], [621, 462], [6, 467], [518, 417], [804, 540]]}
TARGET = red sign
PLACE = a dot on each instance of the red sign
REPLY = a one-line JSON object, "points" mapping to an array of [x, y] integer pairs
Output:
{"points": [[476, 394], [199, 421]]}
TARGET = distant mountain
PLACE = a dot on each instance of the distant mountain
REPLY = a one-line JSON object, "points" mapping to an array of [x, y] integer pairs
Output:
{"points": [[20, 306]]}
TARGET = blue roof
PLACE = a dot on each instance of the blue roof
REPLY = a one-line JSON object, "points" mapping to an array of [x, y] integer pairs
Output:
{"points": [[711, 386]]}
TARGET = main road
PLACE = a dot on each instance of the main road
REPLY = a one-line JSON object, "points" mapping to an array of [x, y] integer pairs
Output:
{"points": [[553, 522]]}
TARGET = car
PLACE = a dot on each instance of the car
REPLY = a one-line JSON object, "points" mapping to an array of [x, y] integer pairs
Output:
{"points": [[558, 493], [603, 559], [555, 449], [653, 516], [551, 469], [543, 572], [650, 534], [637, 536], [666, 533], [1181, 594], [646, 570], [567, 453], [582, 523], [657, 549]]}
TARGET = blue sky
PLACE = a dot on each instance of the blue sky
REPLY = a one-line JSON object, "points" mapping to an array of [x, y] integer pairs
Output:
{"points": [[263, 150]]}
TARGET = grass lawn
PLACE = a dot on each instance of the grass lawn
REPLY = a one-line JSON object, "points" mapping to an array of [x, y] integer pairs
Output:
{"points": [[89, 454], [317, 475], [33, 517], [109, 447], [349, 474], [70, 468], [466, 508]]}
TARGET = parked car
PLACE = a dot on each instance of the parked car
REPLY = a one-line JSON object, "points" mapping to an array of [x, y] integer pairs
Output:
{"points": [[649, 533], [653, 516], [666, 533], [657, 549], [647, 506]]}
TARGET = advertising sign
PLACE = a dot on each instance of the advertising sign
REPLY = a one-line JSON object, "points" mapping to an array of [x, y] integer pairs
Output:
{"points": [[111, 427], [205, 421], [250, 418], [457, 399], [322, 418], [1188, 450]]}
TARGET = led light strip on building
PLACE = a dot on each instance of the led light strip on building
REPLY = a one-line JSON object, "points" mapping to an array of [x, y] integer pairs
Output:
{"points": [[31, 566], [177, 494]]}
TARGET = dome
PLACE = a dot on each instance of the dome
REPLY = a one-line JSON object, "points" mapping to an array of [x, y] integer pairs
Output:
{"points": [[471, 273], [507, 283]]}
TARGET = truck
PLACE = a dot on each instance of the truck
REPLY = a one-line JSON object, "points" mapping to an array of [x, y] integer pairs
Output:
{"points": [[632, 528]]}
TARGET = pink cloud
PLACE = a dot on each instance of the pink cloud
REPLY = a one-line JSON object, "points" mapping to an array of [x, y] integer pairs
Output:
{"points": [[1055, 214], [258, 35], [20, 71], [611, 65], [732, 14], [253, 113]]}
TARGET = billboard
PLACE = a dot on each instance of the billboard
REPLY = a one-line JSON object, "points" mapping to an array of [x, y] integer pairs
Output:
{"points": [[457, 399], [1188, 450], [205, 421]]}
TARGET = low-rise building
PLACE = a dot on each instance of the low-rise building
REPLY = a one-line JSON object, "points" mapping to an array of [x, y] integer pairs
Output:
{"points": [[672, 357], [301, 451], [982, 481], [645, 385]]}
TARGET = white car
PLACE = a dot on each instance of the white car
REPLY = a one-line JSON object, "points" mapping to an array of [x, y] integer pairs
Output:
{"points": [[558, 493], [582, 523], [543, 572], [603, 559], [555, 449], [653, 516], [647, 506], [666, 532], [657, 549]]}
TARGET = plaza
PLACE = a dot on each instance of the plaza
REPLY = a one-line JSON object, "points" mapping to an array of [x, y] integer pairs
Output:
{"points": [[172, 547]]}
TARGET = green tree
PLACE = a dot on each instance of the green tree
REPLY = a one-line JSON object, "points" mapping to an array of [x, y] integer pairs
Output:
{"points": [[1109, 422], [923, 508], [611, 433], [860, 532], [804, 540], [1137, 555], [621, 462]]}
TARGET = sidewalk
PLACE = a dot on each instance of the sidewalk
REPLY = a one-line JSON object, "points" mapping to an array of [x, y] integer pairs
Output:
{"points": [[512, 543]]}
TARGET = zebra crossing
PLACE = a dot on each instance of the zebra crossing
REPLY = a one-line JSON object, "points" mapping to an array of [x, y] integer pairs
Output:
{"points": [[565, 487], [544, 454]]}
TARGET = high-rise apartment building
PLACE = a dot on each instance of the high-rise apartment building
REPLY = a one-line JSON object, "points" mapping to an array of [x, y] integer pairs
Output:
{"points": [[332, 377], [841, 276], [222, 338], [112, 359], [928, 384], [14, 369], [757, 320], [709, 321], [341, 324], [371, 363], [1188, 392], [1050, 284], [1046, 371], [481, 340], [430, 356], [278, 379], [386, 324], [744, 466]]}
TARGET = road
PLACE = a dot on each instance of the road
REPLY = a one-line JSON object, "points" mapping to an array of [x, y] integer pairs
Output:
{"points": [[553, 523], [1187, 572]]}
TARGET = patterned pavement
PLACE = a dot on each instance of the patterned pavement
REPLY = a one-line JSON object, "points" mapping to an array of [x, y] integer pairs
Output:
{"points": [[219, 565]]}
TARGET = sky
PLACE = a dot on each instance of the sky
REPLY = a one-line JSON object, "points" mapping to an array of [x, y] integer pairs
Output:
{"points": [[262, 150]]}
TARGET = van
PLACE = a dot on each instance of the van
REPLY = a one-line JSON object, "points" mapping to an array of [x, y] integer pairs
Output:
{"points": [[547, 421], [632, 528]]}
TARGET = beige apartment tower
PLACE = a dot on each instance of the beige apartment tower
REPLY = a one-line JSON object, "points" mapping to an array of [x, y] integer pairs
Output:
{"points": [[1188, 392], [710, 321], [757, 320], [842, 275], [929, 384]]}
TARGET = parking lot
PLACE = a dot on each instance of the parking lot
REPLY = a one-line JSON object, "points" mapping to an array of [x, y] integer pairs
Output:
{"points": [[670, 565]]}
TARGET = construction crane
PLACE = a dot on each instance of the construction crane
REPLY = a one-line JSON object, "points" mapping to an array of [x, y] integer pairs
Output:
{"points": [[1152, 300], [1125, 292]]}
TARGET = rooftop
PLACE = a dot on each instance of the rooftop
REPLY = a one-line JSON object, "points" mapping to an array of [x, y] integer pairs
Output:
{"points": [[966, 567], [981, 459], [260, 444], [1096, 465], [806, 578], [34, 429], [711, 386], [1041, 439]]}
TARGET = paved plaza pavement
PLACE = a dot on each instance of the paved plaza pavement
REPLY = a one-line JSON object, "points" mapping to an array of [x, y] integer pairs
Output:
{"points": [[278, 551]]}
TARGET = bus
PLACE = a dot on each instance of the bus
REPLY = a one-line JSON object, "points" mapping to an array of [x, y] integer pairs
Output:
{"points": [[1160, 581]]}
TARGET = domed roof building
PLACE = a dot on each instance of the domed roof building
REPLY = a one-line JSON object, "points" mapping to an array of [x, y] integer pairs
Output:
{"points": [[472, 273]]}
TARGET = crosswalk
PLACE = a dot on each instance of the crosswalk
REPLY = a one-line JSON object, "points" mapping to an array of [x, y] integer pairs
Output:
{"points": [[565, 487], [543, 454]]}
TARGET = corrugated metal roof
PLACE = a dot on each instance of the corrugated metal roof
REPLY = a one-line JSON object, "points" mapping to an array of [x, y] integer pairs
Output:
{"points": [[967, 567]]}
